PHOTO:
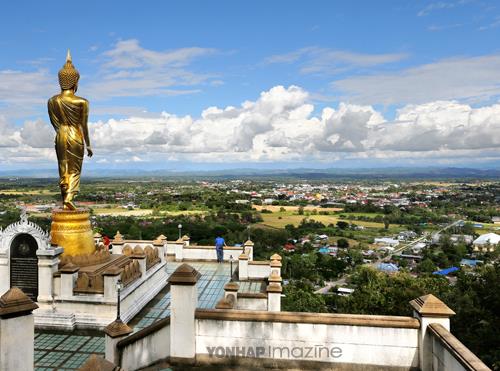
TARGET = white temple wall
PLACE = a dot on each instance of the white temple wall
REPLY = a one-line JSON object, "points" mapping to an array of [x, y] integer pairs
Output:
{"points": [[171, 248], [381, 346], [209, 253], [446, 352], [251, 303], [14, 335], [258, 271], [442, 359], [139, 293], [147, 350]]}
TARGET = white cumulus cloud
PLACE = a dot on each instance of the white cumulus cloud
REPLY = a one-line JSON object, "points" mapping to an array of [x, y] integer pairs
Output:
{"points": [[281, 125]]}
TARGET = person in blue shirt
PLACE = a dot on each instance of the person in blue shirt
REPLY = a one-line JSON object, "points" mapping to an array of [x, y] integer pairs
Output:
{"points": [[219, 248]]}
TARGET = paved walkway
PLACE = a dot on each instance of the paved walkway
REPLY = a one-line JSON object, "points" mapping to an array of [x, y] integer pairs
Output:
{"points": [[210, 289], [69, 351]]}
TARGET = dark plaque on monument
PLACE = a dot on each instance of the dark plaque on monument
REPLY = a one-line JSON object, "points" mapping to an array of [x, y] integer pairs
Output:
{"points": [[24, 265]]}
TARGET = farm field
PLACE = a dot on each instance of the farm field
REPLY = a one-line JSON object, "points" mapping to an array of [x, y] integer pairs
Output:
{"points": [[280, 219], [368, 215], [118, 211], [276, 208], [34, 192], [487, 228]]}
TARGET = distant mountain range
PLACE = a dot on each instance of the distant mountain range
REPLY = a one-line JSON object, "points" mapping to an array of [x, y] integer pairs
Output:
{"points": [[299, 173]]}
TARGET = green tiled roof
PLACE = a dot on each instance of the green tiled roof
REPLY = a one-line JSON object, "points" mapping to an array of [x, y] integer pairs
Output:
{"points": [[69, 351]]}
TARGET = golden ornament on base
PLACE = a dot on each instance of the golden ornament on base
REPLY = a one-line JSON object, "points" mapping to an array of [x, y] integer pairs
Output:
{"points": [[71, 229]]}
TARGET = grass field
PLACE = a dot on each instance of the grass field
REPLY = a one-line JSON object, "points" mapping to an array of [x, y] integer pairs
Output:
{"points": [[281, 218], [487, 228], [276, 208], [35, 192], [368, 215], [117, 211]]}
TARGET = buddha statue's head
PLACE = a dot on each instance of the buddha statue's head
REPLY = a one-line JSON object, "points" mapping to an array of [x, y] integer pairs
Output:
{"points": [[68, 75]]}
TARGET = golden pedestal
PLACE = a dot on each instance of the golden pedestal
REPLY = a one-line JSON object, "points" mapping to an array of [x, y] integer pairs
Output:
{"points": [[71, 229]]}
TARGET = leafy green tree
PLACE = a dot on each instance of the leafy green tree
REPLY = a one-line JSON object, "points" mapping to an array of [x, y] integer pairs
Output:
{"points": [[300, 298], [379, 293], [329, 267], [342, 225], [474, 298], [342, 243], [476, 301], [134, 233], [386, 223], [426, 266]]}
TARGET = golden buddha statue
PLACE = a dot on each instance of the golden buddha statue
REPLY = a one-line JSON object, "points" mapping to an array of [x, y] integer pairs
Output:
{"points": [[69, 114]]}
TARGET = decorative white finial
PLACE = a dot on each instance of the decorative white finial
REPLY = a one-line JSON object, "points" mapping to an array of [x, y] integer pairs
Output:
{"points": [[68, 56], [24, 215]]}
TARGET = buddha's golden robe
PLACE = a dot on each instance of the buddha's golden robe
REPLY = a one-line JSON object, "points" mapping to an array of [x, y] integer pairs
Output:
{"points": [[68, 115]]}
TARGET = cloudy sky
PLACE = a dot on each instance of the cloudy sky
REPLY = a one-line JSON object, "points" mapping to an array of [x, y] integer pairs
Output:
{"points": [[224, 84]]}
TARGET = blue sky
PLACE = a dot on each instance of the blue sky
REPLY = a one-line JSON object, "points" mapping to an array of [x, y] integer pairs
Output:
{"points": [[327, 83]]}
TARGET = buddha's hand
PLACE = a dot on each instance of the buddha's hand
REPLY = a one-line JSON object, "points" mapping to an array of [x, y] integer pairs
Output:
{"points": [[89, 152]]}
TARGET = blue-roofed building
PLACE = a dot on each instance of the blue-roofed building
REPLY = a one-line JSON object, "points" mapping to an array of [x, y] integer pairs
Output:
{"points": [[444, 272], [469, 262], [324, 250], [388, 267]]}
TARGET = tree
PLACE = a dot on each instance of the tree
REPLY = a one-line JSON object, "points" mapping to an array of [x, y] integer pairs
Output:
{"points": [[300, 211], [476, 301], [386, 222], [342, 225], [355, 256], [426, 266], [342, 243], [379, 293], [302, 266], [474, 298], [301, 298], [134, 233]]}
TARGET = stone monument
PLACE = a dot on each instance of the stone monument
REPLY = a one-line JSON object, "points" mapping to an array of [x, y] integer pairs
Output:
{"points": [[68, 115]]}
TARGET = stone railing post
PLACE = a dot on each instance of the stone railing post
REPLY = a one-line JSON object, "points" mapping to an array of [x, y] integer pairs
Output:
{"points": [[274, 297], [97, 238], [182, 320], [275, 267], [96, 363], [248, 245], [48, 261], [117, 243], [141, 259], [17, 331], [231, 289], [111, 277], [274, 290], [429, 309], [162, 240], [115, 331], [69, 275], [162, 249], [243, 267]]}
